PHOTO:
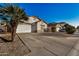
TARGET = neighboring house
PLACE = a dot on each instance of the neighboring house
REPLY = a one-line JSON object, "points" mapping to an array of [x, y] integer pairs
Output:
{"points": [[56, 27], [60, 27], [77, 30], [33, 24], [3, 27], [52, 27]]}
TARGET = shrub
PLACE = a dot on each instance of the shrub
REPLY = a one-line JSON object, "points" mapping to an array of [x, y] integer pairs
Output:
{"points": [[70, 29]]}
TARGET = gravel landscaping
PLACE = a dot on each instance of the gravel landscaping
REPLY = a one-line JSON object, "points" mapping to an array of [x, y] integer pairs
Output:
{"points": [[15, 48]]}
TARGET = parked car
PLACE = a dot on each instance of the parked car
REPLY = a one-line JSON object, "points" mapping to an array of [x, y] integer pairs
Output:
{"points": [[1, 31], [62, 30]]}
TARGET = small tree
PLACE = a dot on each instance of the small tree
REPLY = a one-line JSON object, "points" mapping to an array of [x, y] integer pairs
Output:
{"points": [[16, 14], [70, 29]]}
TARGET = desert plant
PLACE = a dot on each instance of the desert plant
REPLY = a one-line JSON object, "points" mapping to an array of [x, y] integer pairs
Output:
{"points": [[70, 29], [16, 14]]}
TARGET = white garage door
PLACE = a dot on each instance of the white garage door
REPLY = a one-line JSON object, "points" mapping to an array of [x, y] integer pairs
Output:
{"points": [[23, 28]]}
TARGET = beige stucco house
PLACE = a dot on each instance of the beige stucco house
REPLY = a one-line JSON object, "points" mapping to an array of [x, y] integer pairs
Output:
{"points": [[56, 27], [77, 29], [33, 24], [60, 26], [3, 26]]}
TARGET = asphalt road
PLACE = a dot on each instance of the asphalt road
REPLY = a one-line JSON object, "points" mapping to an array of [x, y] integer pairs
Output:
{"points": [[51, 44], [41, 44]]}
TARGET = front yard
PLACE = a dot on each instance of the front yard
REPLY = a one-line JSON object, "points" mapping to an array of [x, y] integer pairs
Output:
{"points": [[15, 48]]}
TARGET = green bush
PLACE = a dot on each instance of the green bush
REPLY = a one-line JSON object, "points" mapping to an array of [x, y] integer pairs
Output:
{"points": [[70, 29]]}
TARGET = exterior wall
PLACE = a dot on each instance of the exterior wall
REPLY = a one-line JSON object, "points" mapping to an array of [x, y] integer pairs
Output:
{"points": [[49, 28], [77, 30], [41, 26], [32, 20], [24, 28], [31, 25], [58, 26], [57, 29]]}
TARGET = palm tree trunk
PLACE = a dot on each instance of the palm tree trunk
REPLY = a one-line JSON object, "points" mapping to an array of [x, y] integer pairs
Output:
{"points": [[13, 29], [13, 33]]}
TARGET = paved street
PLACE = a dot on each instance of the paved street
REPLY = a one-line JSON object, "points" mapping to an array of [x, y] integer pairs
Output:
{"points": [[51, 44], [41, 44]]}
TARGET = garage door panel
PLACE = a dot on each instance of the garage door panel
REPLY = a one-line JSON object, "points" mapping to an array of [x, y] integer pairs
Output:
{"points": [[23, 28]]}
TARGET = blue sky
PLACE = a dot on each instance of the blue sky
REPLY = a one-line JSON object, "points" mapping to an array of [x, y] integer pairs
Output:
{"points": [[53, 12]]}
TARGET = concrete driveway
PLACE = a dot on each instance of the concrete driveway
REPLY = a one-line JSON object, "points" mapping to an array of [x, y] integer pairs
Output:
{"points": [[51, 44]]}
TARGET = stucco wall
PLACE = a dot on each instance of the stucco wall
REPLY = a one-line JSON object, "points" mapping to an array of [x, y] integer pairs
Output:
{"points": [[77, 30], [41, 26], [32, 20]]}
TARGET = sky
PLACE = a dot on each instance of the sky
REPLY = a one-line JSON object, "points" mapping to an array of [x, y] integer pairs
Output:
{"points": [[53, 12]]}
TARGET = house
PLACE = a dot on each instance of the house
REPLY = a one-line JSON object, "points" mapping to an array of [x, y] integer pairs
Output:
{"points": [[33, 24], [56, 27], [52, 27], [60, 27], [3, 26], [77, 29]]}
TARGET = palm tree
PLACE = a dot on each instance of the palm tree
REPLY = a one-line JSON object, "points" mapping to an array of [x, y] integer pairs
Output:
{"points": [[16, 14]]}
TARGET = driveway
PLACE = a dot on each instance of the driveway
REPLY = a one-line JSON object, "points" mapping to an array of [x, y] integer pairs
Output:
{"points": [[50, 44]]}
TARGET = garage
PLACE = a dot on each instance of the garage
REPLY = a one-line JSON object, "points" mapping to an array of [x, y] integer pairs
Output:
{"points": [[23, 28]]}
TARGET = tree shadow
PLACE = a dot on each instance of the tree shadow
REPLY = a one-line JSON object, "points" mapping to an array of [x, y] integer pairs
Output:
{"points": [[5, 40]]}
